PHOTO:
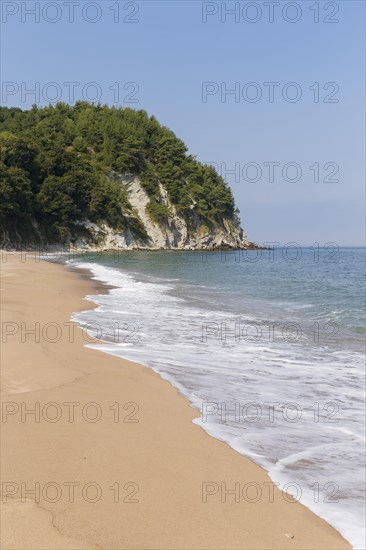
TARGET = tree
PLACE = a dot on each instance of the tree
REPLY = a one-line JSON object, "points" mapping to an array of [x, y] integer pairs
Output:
{"points": [[16, 199], [57, 162]]}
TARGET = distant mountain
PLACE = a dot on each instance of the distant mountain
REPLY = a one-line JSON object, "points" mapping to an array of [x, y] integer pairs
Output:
{"points": [[88, 175]]}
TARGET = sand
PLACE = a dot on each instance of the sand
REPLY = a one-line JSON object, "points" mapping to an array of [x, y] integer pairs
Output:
{"points": [[146, 479]]}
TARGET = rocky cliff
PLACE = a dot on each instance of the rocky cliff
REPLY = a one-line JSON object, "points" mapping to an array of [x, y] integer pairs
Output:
{"points": [[172, 234]]}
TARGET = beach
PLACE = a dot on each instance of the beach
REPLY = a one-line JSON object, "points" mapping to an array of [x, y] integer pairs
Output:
{"points": [[109, 458]]}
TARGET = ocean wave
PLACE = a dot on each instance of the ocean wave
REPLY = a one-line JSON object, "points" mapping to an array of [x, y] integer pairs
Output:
{"points": [[281, 378]]}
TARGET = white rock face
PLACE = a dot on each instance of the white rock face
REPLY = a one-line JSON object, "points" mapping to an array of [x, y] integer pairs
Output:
{"points": [[172, 235]]}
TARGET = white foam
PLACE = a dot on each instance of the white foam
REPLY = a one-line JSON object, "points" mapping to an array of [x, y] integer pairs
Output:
{"points": [[303, 452]]}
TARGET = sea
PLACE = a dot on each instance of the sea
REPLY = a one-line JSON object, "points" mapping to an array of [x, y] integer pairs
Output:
{"points": [[267, 345]]}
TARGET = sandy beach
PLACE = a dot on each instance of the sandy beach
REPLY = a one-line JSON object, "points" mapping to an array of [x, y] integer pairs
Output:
{"points": [[109, 458]]}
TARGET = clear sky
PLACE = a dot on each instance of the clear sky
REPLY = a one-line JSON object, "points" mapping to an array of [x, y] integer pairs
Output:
{"points": [[178, 61]]}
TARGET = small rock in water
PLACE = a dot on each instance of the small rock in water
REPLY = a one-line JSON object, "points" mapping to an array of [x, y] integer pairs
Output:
{"points": [[289, 535]]}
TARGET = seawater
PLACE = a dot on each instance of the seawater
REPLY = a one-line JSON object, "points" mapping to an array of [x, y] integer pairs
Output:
{"points": [[268, 345]]}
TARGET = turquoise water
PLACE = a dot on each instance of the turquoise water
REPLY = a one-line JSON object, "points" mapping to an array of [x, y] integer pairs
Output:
{"points": [[268, 345]]}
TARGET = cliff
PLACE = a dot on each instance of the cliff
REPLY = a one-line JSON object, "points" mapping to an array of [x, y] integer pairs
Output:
{"points": [[173, 233], [90, 175]]}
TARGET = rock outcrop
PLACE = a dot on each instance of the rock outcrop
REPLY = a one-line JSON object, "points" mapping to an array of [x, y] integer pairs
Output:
{"points": [[172, 234]]}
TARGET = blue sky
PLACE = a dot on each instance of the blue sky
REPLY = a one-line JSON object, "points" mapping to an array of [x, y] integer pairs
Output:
{"points": [[177, 60]]}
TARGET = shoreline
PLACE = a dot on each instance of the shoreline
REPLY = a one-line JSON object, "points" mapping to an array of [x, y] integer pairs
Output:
{"points": [[89, 249], [164, 453]]}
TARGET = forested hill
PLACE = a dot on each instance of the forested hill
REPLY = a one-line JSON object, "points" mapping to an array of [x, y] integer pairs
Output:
{"points": [[67, 170]]}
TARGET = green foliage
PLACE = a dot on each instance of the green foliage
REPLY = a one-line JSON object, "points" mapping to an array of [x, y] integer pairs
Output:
{"points": [[137, 228], [108, 202], [150, 181], [158, 212], [54, 164], [79, 144], [16, 195]]}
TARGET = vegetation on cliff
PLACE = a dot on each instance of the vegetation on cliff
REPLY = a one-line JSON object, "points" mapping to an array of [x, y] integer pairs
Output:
{"points": [[56, 162]]}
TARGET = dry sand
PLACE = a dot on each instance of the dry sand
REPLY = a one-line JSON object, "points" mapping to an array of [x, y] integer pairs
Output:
{"points": [[161, 461]]}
